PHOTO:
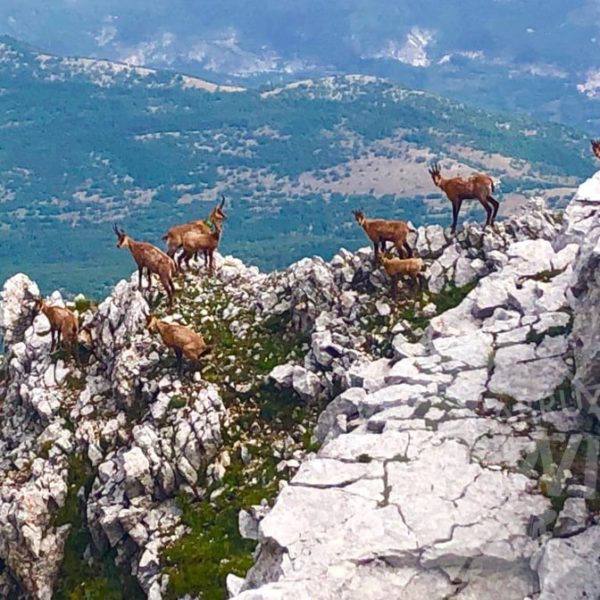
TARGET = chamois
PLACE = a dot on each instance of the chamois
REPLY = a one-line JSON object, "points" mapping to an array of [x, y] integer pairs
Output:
{"points": [[181, 339], [150, 258], [397, 267], [194, 241], [457, 189], [596, 147], [174, 237], [380, 232], [63, 323]]}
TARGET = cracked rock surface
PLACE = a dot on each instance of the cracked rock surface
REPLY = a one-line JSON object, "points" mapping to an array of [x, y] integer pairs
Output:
{"points": [[431, 493]]}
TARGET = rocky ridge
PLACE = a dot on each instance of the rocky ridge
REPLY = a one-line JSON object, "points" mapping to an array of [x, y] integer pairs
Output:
{"points": [[421, 482]]}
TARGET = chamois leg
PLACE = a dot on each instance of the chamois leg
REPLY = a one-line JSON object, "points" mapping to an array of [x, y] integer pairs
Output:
{"points": [[167, 285], [489, 211], [140, 275], [58, 338], [52, 339], [149, 278], [455, 211], [179, 360], [375, 250], [395, 287], [496, 206], [408, 249]]}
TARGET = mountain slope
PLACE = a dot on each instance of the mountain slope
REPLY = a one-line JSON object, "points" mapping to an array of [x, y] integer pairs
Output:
{"points": [[532, 56], [86, 143]]}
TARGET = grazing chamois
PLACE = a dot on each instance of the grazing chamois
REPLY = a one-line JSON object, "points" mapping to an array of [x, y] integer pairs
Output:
{"points": [[194, 242], [596, 147], [63, 323], [174, 237], [183, 340], [398, 267], [457, 189], [381, 231], [150, 258]]}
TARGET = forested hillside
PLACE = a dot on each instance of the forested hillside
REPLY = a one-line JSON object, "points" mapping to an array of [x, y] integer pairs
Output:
{"points": [[86, 143]]}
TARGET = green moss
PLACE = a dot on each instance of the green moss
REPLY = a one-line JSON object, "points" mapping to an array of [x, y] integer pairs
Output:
{"points": [[177, 401]]}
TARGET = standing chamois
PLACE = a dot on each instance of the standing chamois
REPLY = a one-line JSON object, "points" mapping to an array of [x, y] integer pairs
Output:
{"points": [[398, 267], [174, 237], [63, 323], [457, 189], [195, 241], [152, 259], [183, 340], [596, 148], [380, 232]]}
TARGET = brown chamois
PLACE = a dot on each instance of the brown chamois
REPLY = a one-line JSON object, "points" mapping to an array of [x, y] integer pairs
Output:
{"points": [[183, 340], [174, 237], [398, 267], [479, 186], [381, 231], [596, 147], [152, 259], [63, 323], [194, 242]]}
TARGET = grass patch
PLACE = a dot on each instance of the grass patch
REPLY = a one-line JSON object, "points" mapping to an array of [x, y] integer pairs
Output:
{"points": [[177, 401], [452, 296], [261, 415]]}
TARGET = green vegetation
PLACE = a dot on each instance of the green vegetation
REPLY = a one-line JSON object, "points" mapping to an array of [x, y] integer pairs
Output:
{"points": [[452, 296], [156, 150], [80, 578], [260, 417]]}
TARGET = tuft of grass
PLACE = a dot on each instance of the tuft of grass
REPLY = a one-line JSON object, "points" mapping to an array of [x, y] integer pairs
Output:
{"points": [[452, 296], [177, 401]]}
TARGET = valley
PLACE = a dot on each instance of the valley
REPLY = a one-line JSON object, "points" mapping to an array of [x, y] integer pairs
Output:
{"points": [[86, 143]]}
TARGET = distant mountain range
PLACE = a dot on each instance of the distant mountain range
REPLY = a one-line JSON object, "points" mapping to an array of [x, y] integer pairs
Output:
{"points": [[534, 56], [84, 143]]}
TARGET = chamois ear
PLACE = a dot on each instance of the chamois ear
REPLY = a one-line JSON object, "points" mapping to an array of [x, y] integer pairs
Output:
{"points": [[222, 201]]}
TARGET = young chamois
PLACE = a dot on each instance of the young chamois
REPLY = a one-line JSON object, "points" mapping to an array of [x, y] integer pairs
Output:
{"points": [[457, 189], [63, 323], [174, 237], [380, 232], [150, 258], [596, 147], [399, 267], [182, 340], [195, 241]]}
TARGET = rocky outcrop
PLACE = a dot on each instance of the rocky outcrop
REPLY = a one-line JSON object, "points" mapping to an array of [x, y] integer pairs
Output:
{"points": [[56, 415], [439, 472], [583, 228], [425, 484]]}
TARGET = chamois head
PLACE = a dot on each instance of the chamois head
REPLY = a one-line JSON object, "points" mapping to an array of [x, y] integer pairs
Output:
{"points": [[151, 323], [121, 236], [37, 307], [217, 214], [359, 216], [596, 147], [435, 173]]}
